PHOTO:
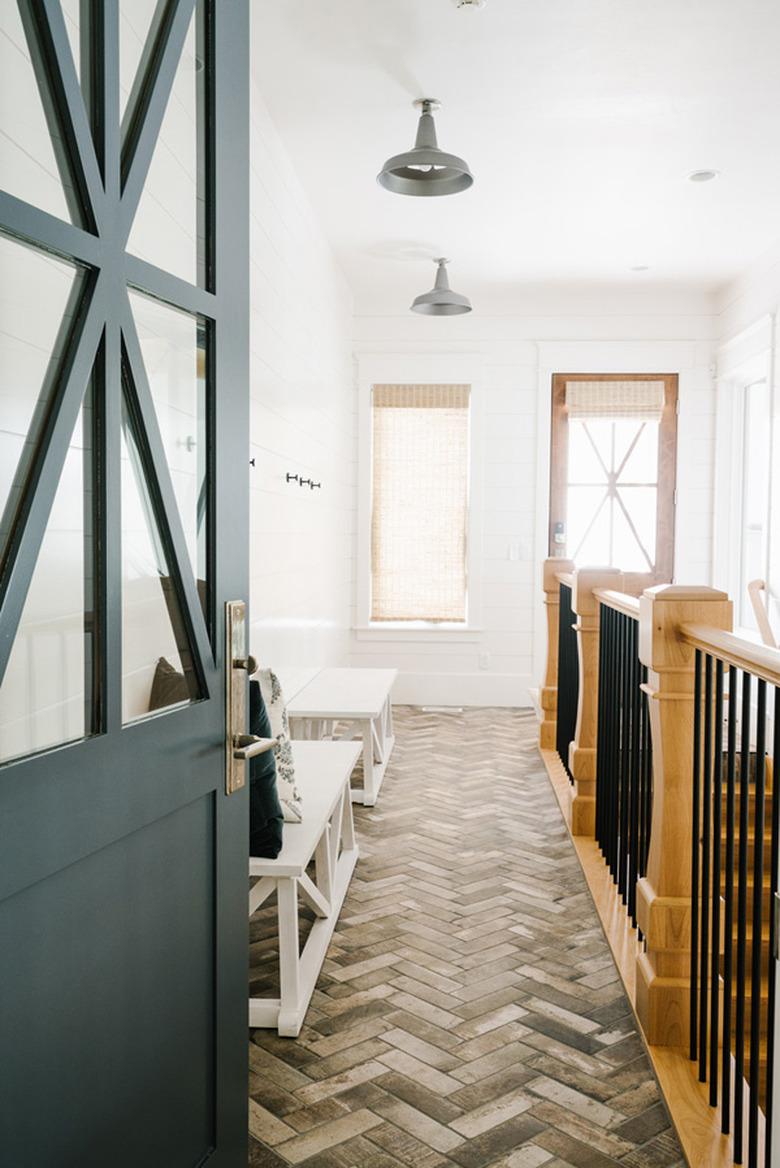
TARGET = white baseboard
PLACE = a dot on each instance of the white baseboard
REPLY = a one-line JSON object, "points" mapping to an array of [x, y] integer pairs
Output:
{"points": [[462, 689]]}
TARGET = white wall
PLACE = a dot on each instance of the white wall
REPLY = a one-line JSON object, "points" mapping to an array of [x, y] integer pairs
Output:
{"points": [[302, 421], [518, 352], [749, 349]]}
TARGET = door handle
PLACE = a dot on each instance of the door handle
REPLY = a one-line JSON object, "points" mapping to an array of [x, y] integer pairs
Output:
{"points": [[249, 745], [240, 746]]}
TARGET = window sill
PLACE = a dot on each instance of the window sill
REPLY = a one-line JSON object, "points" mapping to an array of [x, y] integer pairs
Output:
{"points": [[411, 632]]}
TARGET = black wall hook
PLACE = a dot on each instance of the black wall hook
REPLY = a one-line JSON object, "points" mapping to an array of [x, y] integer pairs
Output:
{"points": [[291, 478]]}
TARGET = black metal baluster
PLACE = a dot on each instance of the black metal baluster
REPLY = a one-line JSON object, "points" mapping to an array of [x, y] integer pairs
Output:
{"points": [[625, 756], [739, 1032], [771, 1007], [695, 857], [758, 917], [568, 677], [648, 772], [601, 744], [633, 833], [717, 845], [706, 841], [729, 911]]}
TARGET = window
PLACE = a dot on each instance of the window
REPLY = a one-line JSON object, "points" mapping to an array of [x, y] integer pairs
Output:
{"points": [[420, 498], [754, 518], [613, 471]]}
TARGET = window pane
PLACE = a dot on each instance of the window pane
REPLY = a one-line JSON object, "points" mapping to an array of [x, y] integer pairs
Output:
{"points": [[169, 226], [46, 695], [420, 503], [136, 18], [157, 670], [28, 163], [38, 296], [173, 346]]}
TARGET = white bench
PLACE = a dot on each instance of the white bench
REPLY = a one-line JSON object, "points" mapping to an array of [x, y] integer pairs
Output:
{"points": [[361, 699], [327, 834]]}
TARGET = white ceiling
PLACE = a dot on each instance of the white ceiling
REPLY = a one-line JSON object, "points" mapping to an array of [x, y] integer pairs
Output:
{"points": [[580, 120]]}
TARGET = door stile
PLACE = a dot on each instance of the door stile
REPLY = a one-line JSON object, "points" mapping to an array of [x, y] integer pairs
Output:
{"points": [[229, 159]]}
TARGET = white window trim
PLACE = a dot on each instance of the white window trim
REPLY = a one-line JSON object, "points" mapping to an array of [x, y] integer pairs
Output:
{"points": [[745, 359], [422, 368]]}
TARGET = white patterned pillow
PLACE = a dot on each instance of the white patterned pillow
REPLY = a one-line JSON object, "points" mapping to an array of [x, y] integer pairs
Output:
{"points": [[289, 795]]}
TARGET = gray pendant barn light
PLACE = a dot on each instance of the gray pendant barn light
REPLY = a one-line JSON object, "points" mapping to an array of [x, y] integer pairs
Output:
{"points": [[425, 169], [441, 300]]}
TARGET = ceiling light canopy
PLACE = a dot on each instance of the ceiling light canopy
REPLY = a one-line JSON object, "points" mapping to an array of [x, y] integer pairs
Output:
{"points": [[425, 169], [441, 300]]}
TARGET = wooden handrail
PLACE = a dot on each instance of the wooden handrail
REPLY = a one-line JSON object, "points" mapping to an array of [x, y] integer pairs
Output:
{"points": [[759, 660], [566, 578], [620, 601]]}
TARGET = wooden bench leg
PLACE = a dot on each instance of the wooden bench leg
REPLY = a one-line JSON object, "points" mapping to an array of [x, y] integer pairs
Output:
{"points": [[289, 965]]}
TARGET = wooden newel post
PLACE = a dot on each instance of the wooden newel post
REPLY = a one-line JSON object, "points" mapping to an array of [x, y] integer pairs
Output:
{"points": [[664, 895], [548, 693], [582, 751]]}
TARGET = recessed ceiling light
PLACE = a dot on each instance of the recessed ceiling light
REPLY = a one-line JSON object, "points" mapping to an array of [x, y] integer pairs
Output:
{"points": [[640, 268], [699, 176], [469, 3]]}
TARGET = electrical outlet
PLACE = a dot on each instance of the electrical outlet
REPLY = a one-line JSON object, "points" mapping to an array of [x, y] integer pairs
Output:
{"points": [[484, 661]]}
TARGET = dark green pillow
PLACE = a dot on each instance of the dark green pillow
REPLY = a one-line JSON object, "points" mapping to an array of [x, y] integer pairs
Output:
{"points": [[265, 811]]}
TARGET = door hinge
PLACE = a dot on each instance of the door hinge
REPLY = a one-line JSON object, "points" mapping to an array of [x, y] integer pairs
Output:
{"points": [[776, 953], [674, 497]]}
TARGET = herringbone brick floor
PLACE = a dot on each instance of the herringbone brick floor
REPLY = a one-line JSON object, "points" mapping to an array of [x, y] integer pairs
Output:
{"points": [[469, 1012]]}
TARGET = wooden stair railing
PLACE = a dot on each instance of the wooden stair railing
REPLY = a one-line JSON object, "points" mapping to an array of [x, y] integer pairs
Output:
{"points": [[705, 966]]}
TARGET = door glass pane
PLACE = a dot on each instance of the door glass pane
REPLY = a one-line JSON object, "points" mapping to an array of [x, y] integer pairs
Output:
{"points": [[635, 529], [38, 297], [46, 694], [157, 669], [136, 18], [71, 12], [168, 226], [28, 163], [173, 346]]}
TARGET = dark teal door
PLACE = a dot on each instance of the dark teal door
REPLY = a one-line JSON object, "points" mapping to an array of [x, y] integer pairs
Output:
{"points": [[123, 533]]}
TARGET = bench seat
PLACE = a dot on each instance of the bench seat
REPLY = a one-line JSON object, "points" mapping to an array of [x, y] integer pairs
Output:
{"points": [[347, 703], [326, 835]]}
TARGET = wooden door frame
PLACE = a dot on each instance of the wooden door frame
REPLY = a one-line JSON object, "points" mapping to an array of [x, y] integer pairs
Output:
{"points": [[667, 467]]}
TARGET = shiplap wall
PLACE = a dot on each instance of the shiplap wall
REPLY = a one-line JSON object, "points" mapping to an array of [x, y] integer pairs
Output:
{"points": [[302, 421], [519, 352]]}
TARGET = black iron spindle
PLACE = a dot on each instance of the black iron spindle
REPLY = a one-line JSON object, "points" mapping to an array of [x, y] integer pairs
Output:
{"points": [[717, 845], [773, 939], [731, 751], [739, 1030], [568, 677], [695, 858], [706, 842], [758, 916]]}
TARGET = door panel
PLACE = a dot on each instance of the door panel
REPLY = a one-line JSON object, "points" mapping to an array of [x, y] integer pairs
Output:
{"points": [[85, 1050], [123, 932]]}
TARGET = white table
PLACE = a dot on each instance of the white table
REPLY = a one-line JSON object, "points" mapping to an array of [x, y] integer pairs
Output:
{"points": [[322, 773], [346, 704]]}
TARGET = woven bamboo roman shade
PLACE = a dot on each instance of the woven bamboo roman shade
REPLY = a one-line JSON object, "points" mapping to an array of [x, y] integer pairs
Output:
{"points": [[420, 502], [639, 400]]}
